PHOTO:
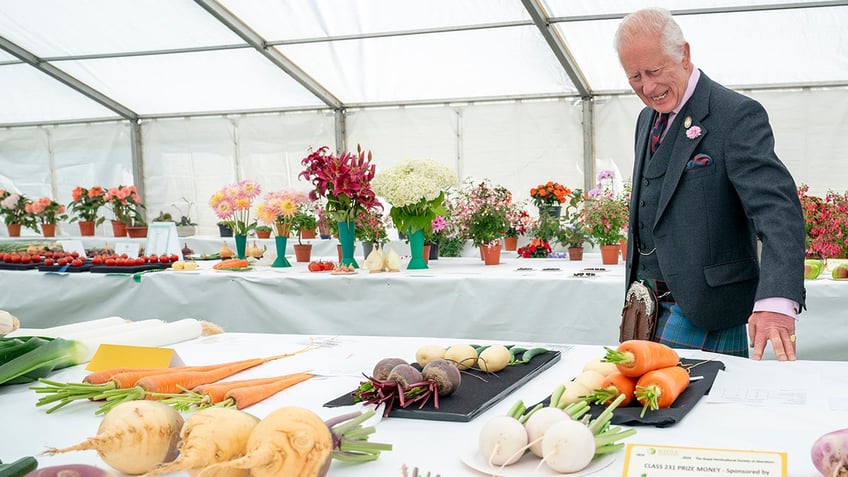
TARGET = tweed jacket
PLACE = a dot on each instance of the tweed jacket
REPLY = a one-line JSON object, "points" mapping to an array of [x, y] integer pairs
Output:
{"points": [[723, 189]]}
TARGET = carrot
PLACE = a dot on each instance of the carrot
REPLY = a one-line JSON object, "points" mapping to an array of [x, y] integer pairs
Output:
{"points": [[245, 396], [613, 385], [103, 376], [659, 388], [215, 393], [231, 263], [636, 357]]}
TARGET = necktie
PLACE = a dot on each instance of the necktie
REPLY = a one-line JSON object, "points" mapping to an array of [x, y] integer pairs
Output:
{"points": [[657, 131]]}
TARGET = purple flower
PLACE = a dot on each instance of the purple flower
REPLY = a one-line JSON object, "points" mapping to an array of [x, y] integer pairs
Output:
{"points": [[693, 132]]}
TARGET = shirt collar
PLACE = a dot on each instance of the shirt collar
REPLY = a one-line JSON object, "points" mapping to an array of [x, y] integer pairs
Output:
{"points": [[690, 90]]}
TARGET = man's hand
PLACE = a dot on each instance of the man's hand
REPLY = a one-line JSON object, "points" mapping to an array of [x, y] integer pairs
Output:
{"points": [[765, 326]]}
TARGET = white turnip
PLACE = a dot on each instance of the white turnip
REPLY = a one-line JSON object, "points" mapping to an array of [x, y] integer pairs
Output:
{"points": [[210, 436], [830, 454], [503, 440], [539, 422], [568, 446], [135, 436]]}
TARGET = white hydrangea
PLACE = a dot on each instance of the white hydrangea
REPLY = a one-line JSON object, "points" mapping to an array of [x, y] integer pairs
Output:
{"points": [[412, 181]]}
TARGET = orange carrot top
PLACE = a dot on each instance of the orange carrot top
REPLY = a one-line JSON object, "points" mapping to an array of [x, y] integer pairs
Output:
{"points": [[613, 385], [659, 388], [636, 357]]}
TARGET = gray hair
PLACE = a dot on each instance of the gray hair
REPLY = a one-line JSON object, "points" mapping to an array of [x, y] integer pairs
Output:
{"points": [[651, 21]]}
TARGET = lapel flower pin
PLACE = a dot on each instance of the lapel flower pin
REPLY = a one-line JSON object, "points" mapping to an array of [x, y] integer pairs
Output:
{"points": [[693, 132]]}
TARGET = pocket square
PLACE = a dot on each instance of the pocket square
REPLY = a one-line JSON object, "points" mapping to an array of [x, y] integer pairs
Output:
{"points": [[700, 160]]}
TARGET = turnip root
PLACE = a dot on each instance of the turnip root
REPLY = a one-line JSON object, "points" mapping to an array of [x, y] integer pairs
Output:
{"points": [[830, 454], [465, 356], [603, 367], [210, 436], [539, 422], [291, 441], [405, 376], [385, 366], [428, 353], [70, 470], [134, 437], [568, 446], [590, 379], [573, 393], [494, 358], [444, 374], [503, 440]]}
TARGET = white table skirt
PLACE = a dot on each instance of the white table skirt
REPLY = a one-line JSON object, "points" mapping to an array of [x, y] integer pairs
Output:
{"points": [[454, 298], [773, 423]]}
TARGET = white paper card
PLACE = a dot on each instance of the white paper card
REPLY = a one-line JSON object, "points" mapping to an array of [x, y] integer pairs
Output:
{"points": [[72, 246], [162, 239], [129, 248], [673, 461]]}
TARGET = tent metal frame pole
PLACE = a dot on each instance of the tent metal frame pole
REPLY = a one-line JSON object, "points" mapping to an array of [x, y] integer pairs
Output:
{"points": [[340, 117]]}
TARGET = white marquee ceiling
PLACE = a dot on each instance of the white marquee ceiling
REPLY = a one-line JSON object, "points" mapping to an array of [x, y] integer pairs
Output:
{"points": [[87, 60]]}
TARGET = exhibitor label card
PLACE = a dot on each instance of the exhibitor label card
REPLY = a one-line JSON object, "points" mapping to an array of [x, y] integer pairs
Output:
{"points": [[644, 460]]}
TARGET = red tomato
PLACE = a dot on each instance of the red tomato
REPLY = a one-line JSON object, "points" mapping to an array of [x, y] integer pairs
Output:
{"points": [[315, 267], [327, 266], [76, 262], [35, 258], [25, 258], [111, 262], [140, 261], [48, 261], [173, 258], [75, 254]]}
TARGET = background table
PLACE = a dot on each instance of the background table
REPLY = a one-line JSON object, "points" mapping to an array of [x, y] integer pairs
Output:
{"points": [[454, 298], [787, 405]]}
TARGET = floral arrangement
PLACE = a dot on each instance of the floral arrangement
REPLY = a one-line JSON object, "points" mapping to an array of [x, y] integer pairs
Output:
{"points": [[480, 211], [537, 248], [415, 189], [371, 227], [46, 211], [572, 235], [304, 219], [547, 228], [232, 205], [125, 204], [13, 207], [344, 182], [826, 221], [438, 230], [279, 208], [605, 213], [85, 203], [548, 194], [520, 221]]}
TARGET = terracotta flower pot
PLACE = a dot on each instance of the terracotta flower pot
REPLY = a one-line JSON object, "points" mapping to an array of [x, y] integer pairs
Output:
{"points": [[87, 227], [48, 230], [263, 234], [575, 253], [491, 253], [510, 244], [14, 230], [303, 252], [119, 229], [623, 245], [308, 234], [609, 254], [137, 232]]}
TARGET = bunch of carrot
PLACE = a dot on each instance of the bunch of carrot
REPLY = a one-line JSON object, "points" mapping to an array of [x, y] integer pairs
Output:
{"points": [[201, 386], [647, 371]]}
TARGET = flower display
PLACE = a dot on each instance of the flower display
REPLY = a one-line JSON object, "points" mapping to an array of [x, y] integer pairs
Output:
{"points": [[46, 210], [85, 203], [605, 212], [232, 205], [537, 248], [572, 235], [826, 221], [125, 204], [280, 208], [371, 227], [520, 221], [479, 211], [13, 209], [416, 190], [548, 194], [344, 182], [438, 230]]}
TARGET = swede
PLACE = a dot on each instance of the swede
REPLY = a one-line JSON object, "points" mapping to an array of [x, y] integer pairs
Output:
{"points": [[465, 356], [830, 453], [568, 446], [291, 441], [494, 358], [539, 422], [210, 436], [134, 437], [503, 440]]}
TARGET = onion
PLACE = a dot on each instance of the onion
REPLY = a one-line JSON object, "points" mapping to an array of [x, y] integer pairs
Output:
{"points": [[830, 454]]}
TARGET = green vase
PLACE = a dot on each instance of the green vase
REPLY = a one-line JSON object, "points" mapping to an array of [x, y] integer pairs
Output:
{"points": [[347, 234], [416, 250], [241, 246], [280, 245]]}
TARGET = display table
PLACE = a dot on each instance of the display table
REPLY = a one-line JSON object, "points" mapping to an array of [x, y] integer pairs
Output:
{"points": [[455, 298], [754, 405]]}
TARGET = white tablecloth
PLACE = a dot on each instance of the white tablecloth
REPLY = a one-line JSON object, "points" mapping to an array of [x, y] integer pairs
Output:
{"points": [[454, 298], [755, 405]]}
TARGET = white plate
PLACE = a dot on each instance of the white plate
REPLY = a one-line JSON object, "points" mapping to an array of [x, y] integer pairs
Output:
{"points": [[527, 466]]}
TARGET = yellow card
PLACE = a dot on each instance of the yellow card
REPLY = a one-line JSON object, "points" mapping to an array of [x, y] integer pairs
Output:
{"points": [[646, 460], [110, 356]]}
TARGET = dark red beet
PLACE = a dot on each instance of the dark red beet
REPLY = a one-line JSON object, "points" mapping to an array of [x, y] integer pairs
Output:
{"points": [[384, 367], [444, 374]]}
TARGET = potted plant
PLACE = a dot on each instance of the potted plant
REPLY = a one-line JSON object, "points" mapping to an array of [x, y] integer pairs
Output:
{"points": [[283, 212], [46, 212], [232, 204], [519, 223], [263, 231], [544, 230], [344, 183], [371, 230], [604, 217], [84, 207], [126, 206], [573, 237], [415, 189], [549, 197], [481, 210], [185, 226], [826, 223], [13, 208], [302, 220]]}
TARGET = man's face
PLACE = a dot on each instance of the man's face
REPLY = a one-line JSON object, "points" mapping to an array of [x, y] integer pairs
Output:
{"points": [[655, 77]]}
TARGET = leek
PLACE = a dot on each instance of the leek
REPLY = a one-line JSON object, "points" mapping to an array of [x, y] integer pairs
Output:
{"points": [[50, 355]]}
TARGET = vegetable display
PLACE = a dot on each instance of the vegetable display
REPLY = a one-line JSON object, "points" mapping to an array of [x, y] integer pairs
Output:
{"points": [[405, 385], [829, 453], [18, 468], [636, 357]]}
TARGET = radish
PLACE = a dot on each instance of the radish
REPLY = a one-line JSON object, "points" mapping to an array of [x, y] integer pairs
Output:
{"points": [[830, 454], [502, 440], [134, 437], [568, 446], [538, 422], [212, 435]]}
